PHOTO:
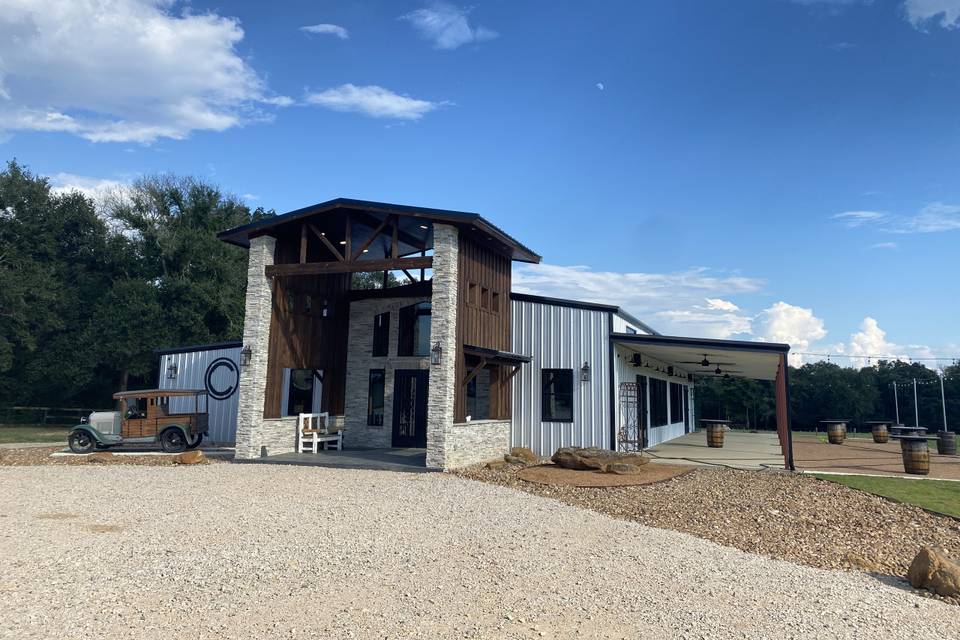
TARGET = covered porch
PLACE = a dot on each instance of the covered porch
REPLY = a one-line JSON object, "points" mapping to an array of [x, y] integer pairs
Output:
{"points": [[690, 358]]}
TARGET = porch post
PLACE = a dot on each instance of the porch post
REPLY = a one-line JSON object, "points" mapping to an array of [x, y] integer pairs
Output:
{"points": [[258, 310], [443, 330]]}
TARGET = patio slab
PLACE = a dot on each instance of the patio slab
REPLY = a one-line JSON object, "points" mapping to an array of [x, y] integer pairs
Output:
{"points": [[404, 460], [750, 451]]}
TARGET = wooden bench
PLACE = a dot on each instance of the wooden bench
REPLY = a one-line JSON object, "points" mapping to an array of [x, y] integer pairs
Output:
{"points": [[313, 430]]}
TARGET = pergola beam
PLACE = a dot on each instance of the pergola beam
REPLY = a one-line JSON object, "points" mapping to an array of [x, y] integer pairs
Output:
{"points": [[346, 266], [336, 253]]}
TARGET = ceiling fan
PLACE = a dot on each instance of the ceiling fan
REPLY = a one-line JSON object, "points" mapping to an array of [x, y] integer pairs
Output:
{"points": [[705, 362]]}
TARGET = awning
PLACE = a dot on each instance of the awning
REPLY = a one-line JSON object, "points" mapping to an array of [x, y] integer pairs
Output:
{"points": [[703, 356], [492, 356]]}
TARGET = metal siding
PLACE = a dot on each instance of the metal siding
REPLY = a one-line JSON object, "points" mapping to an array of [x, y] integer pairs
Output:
{"points": [[625, 372], [559, 337], [191, 374]]}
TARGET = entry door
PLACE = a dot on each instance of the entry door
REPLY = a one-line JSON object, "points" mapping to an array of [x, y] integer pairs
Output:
{"points": [[642, 420], [410, 408]]}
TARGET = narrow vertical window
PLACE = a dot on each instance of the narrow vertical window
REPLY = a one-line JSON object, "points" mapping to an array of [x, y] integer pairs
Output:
{"points": [[495, 302], [414, 330], [375, 393], [556, 395], [381, 334]]}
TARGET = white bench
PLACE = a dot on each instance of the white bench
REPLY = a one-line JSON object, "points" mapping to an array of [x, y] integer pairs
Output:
{"points": [[313, 430]]}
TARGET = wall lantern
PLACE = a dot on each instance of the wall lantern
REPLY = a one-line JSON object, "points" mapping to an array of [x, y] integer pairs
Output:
{"points": [[436, 353], [246, 355], [172, 370], [585, 372]]}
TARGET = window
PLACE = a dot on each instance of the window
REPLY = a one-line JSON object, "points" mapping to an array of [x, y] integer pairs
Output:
{"points": [[658, 402], [478, 395], [557, 395], [472, 294], [300, 394], [414, 339], [381, 334], [631, 330], [495, 302], [484, 298], [375, 398], [676, 402]]}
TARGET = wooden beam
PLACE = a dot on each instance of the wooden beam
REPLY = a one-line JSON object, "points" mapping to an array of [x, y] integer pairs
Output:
{"points": [[473, 372], [327, 242], [348, 251], [370, 240], [516, 370], [352, 266], [303, 243], [395, 247], [409, 277]]}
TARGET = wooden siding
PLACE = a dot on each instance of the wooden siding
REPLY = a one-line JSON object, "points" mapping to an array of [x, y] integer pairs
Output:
{"points": [[479, 324]]}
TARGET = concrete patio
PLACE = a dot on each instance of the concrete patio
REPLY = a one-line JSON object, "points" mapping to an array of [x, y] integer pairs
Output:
{"points": [[406, 460], [741, 450]]}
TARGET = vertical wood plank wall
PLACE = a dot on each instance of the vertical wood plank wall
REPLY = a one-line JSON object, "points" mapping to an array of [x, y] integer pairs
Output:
{"points": [[480, 327]]}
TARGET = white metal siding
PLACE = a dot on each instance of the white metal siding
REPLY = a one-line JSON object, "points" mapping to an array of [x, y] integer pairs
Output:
{"points": [[620, 325], [626, 372], [192, 367], [559, 337]]}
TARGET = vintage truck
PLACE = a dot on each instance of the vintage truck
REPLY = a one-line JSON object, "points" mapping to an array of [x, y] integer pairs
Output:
{"points": [[145, 418]]}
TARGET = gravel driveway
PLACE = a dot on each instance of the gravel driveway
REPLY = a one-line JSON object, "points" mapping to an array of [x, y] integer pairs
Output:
{"points": [[244, 551]]}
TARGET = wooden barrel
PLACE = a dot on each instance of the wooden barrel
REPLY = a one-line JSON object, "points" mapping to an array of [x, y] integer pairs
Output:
{"points": [[946, 443], [715, 436], [880, 433], [836, 432], [916, 456]]}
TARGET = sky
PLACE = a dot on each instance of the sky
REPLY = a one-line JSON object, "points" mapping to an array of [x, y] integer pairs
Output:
{"points": [[781, 170]]}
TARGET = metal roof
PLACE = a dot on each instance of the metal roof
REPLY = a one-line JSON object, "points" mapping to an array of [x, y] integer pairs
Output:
{"points": [[240, 236]]}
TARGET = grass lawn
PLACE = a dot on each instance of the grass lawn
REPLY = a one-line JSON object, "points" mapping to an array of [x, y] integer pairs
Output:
{"points": [[12, 433], [941, 496]]}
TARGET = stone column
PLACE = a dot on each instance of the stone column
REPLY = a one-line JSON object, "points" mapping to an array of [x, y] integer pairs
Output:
{"points": [[443, 329], [256, 335]]}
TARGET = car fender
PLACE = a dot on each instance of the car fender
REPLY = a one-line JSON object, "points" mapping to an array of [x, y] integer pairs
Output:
{"points": [[183, 430], [96, 435]]}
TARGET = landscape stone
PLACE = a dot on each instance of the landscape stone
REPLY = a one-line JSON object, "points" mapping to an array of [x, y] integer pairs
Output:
{"points": [[593, 458], [934, 571], [190, 457]]}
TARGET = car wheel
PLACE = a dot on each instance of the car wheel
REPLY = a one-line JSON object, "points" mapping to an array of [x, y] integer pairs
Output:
{"points": [[195, 443], [173, 441], [81, 442]]}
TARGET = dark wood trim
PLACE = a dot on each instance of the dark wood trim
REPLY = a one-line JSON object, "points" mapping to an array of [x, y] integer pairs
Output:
{"points": [[336, 252], [303, 243], [516, 370], [352, 266], [395, 245], [369, 241], [348, 240], [473, 372]]}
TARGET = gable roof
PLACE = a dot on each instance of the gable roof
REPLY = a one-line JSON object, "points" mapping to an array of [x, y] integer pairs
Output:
{"points": [[240, 236]]}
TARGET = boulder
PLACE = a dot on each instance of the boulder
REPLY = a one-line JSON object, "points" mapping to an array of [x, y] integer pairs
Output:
{"points": [[190, 457], [622, 469], [100, 456], [527, 454], [594, 459], [934, 571], [512, 459], [496, 464]]}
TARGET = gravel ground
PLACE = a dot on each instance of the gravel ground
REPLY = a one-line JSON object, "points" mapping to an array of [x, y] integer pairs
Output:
{"points": [[793, 517], [32, 456], [244, 551]]}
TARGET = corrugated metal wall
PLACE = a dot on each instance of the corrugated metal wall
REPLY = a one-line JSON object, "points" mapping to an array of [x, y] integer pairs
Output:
{"points": [[562, 338], [217, 371], [626, 372]]}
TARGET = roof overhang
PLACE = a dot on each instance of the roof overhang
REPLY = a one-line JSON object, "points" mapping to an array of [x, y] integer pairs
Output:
{"points": [[492, 356], [466, 221], [756, 360]]}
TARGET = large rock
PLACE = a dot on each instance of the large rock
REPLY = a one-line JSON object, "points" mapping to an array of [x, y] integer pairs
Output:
{"points": [[934, 571], [526, 453], [190, 457], [594, 459], [100, 456]]}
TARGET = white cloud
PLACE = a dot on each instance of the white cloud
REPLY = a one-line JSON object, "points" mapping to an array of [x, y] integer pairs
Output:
{"points": [[327, 29], [859, 218], [946, 13], [871, 340], [721, 304], [123, 70], [447, 26], [893, 246], [671, 302], [373, 101], [793, 325], [94, 188], [600, 86]]}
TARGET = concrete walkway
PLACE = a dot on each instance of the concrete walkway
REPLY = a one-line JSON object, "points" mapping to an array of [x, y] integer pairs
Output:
{"points": [[409, 460], [751, 451]]}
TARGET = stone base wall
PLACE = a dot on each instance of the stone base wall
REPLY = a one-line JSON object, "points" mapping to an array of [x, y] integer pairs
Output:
{"points": [[468, 443], [274, 436]]}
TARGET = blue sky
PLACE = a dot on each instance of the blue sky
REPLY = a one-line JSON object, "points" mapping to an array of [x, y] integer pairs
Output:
{"points": [[777, 169]]}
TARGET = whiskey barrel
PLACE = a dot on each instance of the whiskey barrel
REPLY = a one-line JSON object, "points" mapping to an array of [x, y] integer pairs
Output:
{"points": [[946, 443], [715, 436], [880, 433], [836, 432], [916, 455]]}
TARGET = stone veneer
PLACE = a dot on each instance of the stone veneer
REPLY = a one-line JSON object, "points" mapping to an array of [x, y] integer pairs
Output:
{"points": [[473, 442], [256, 335], [360, 361], [443, 329]]}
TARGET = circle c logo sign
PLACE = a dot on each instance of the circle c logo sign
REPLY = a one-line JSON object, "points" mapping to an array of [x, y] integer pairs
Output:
{"points": [[230, 380]]}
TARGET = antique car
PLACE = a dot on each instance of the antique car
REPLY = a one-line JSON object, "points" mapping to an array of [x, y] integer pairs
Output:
{"points": [[145, 417]]}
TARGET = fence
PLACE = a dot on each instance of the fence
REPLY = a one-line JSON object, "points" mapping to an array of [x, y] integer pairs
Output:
{"points": [[44, 416]]}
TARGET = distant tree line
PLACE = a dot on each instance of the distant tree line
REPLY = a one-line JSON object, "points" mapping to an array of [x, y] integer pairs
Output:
{"points": [[89, 289], [825, 390]]}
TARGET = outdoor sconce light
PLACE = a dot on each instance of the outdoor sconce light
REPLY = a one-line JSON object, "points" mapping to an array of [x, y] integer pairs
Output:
{"points": [[635, 360], [171, 370], [246, 354], [585, 372], [670, 370], [436, 353]]}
